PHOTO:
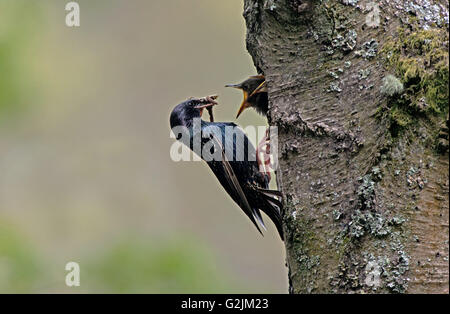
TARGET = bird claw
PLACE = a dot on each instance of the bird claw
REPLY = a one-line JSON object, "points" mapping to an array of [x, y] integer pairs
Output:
{"points": [[265, 164]]}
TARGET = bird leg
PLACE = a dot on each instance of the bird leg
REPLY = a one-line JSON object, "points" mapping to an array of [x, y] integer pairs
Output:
{"points": [[264, 164]]}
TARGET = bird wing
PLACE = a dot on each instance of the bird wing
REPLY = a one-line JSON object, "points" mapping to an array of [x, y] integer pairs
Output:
{"points": [[247, 150], [258, 194], [234, 184]]}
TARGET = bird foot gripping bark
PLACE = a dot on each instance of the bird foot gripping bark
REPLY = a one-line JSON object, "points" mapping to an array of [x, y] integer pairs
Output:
{"points": [[264, 163]]}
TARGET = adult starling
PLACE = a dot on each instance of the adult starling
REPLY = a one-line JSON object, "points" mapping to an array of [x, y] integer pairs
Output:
{"points": [[255, 94], [238, 174]]}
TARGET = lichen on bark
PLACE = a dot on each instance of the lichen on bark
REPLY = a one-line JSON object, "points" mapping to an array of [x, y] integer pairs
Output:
{"points": [[363, 171]]}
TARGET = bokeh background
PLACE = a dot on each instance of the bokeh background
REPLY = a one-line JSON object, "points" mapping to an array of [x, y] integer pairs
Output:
{"points": [[85, 171]]}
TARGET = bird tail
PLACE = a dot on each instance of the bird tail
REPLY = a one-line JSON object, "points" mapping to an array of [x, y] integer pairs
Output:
{"points": [[272, 207]]}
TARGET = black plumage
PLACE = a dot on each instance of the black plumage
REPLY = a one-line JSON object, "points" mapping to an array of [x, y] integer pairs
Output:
{"points": [[241, 179]]}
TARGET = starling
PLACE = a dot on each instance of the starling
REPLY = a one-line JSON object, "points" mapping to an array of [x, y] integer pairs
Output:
{"points": [[240, 177], [255, 94]]}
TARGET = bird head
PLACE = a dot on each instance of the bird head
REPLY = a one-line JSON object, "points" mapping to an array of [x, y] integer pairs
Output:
{"points": [[248, 87], [184, 113]]}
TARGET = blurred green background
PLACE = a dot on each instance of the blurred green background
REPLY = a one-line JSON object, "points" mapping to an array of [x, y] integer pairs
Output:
{"points": [[85, 171]]}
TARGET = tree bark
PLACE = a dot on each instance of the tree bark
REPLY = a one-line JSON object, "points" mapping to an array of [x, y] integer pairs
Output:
{"points": [[363, 157]]}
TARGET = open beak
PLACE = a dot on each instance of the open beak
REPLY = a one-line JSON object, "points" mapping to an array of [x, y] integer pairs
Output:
{"points": [[244, 104]]}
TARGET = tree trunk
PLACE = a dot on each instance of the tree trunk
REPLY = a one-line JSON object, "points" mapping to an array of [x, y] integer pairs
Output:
{"points": [[363, 155]]}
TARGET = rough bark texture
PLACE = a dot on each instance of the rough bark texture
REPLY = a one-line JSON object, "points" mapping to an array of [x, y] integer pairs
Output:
{"points": [[363, 158]]}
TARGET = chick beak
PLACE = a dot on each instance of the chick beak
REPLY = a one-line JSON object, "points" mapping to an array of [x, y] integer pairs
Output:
{"points": [[244, 104], [234, 86]]}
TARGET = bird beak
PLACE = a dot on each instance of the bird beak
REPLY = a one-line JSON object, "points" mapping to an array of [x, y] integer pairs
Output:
{"points": [[208, 107], [244, 104], [238, 86]]}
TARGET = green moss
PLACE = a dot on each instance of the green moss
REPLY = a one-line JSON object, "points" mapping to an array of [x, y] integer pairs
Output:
{"points": [[420, 59], [400, 117]]}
